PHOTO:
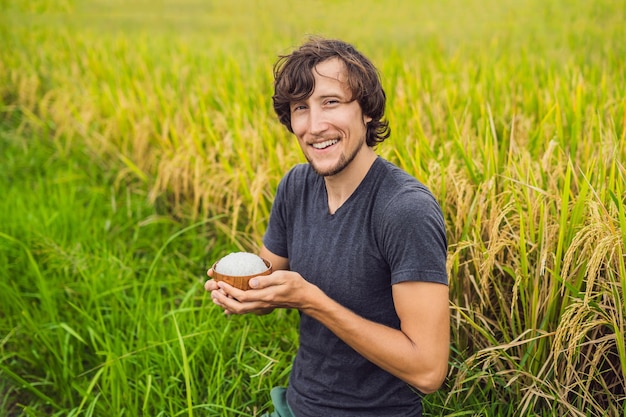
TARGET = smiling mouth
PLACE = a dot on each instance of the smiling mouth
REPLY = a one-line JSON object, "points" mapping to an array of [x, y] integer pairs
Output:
{"points": [[325, 144]]}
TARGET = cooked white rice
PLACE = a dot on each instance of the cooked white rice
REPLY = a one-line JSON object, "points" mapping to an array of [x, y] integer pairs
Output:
{"points": [[240, 264]]}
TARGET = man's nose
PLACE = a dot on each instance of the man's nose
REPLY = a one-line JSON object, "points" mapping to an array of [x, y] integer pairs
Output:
{"points": [[318, 122]]}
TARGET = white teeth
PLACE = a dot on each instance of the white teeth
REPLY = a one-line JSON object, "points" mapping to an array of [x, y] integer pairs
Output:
{"points": [[325, 144]]}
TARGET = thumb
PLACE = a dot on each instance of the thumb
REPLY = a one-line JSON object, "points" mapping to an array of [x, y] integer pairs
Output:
{"points": [[260, 281], [264, 281], [254, 282]]}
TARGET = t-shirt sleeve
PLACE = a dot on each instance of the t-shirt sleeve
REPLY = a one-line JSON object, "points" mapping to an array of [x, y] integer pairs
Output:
{"points": [[414, 238], [275, 237]]}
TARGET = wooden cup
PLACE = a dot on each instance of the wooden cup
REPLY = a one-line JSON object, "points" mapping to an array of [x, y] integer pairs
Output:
{"points": [[240, 281]]}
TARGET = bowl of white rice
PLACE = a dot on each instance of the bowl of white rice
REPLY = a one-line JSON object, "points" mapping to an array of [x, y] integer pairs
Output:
{"points": [[237, 268]]}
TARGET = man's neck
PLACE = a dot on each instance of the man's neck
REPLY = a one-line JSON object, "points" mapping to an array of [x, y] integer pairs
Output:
{"points": [[340, 187]]}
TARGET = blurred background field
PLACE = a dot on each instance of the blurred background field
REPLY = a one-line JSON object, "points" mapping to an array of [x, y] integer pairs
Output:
{"points": [[138, 144]]}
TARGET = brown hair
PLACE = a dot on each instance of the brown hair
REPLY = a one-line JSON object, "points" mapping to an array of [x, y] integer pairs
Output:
{"points": [[294, 81]]}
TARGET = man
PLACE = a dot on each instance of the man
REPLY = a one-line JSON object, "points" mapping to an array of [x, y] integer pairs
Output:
{"points": [[358, 247]]}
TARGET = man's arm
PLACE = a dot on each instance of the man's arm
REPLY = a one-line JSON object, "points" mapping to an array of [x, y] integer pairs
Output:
{"points": [[278, 262], [417, 353]]}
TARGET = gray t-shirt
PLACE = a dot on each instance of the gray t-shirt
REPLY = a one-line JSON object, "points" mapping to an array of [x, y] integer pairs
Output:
{"points": [[390, 230]]}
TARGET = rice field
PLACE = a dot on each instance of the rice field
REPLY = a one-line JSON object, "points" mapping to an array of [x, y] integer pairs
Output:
{"points": [[138, 145]]}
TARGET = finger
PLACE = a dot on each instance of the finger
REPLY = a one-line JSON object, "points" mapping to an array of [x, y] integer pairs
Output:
{"points": [[232, 305], [220, 298], [264, 281], [227, 289], [227, 303], [210, 272], [210, 285], [255, 283]]}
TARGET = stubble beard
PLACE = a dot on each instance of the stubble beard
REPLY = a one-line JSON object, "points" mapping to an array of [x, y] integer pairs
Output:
{"points": [[343, 162]]}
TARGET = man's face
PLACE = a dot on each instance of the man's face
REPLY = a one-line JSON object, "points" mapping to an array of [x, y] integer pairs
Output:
{"points": [[329, 125]]}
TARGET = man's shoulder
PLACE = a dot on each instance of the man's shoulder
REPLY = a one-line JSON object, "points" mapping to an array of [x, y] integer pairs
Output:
{"points": [[298, 178], [401, 184]]}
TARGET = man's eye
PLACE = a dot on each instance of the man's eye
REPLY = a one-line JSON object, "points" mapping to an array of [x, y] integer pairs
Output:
{"points": [[298, 107]]}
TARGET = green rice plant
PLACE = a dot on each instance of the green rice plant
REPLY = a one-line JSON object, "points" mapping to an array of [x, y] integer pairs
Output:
{"points": [[536, 305]]}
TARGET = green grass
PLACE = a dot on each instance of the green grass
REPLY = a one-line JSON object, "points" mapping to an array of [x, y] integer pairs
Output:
{"points": [[138, 144], [103, 304]]}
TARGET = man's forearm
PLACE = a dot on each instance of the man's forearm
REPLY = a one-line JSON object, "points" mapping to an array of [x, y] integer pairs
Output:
{"points": [[391, 349]]}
